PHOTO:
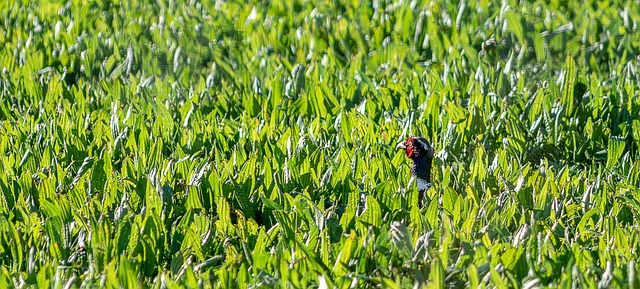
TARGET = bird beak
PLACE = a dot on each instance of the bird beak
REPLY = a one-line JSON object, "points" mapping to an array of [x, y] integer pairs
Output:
{"points": [[401, 146]]}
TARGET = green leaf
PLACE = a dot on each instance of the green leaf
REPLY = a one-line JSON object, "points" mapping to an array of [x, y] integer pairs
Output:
{"points": [[84, 168]]}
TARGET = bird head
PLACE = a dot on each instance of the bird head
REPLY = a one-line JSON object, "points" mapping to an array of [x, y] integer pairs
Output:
{"points": [[416, 148]]}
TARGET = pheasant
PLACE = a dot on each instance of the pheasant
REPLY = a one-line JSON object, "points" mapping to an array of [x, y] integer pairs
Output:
{"points": [[421, 153]]}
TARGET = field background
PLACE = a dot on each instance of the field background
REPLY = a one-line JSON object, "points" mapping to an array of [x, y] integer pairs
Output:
{"points": [[228, 144]]}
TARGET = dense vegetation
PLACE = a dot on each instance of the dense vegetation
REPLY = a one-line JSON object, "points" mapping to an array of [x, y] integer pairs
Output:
{"points": [[231, 144]]}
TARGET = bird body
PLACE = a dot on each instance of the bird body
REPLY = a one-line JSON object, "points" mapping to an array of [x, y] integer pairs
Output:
{"points": [[421, 153]]}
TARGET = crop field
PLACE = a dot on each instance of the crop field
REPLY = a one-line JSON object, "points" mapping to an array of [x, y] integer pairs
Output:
{"points": [[233, 144]]}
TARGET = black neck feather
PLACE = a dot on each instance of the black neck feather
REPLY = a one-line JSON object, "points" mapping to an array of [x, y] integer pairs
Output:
{"points": [[422, 168]]}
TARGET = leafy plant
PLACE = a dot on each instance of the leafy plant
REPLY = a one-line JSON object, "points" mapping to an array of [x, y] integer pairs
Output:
{"points": [[250, 144]]}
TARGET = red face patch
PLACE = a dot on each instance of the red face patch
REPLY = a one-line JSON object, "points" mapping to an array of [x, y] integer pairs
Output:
{"points": [[409, 151], [410, 144]]}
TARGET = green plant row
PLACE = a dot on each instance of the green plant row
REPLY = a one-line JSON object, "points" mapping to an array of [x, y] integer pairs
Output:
{"points": [[251, 144]]}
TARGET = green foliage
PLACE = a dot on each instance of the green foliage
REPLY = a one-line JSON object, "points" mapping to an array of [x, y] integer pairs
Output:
{"points": [[250, 144]]}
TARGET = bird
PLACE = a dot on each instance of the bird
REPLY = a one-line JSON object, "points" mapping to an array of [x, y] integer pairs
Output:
{"points": [[421, 153]]}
